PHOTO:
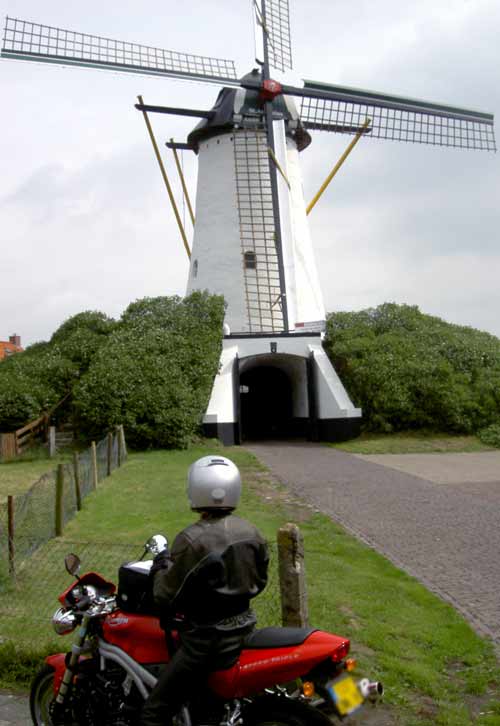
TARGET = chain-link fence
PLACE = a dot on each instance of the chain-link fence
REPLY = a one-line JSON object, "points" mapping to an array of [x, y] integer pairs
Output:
{"points": [[28, 601], [29, 520]]}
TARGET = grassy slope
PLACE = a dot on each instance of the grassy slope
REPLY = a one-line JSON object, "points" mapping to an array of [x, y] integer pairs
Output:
{"points": [[436, 670], [412, 442], [19, 475]]}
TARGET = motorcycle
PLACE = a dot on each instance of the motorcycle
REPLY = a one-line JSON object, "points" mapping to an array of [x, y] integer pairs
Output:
{"points": [[283, 677]]}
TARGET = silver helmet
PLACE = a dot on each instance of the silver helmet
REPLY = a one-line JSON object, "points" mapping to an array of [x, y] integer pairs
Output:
{"points": [[214, 482]]}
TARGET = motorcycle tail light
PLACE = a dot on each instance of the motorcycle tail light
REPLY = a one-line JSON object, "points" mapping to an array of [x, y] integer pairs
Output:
{"points": [[64, 621], [340, 651]]}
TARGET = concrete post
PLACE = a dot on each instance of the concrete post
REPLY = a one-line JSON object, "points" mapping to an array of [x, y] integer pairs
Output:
{"points": [[294, 610], [52, 441]]}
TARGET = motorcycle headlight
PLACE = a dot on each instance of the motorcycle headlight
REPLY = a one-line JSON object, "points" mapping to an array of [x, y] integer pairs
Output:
{"points": [[64, 621]]}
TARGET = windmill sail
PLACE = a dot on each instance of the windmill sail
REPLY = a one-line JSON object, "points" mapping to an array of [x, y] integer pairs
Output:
{"points": [[274, 22], [340, 109], [24, 40]]}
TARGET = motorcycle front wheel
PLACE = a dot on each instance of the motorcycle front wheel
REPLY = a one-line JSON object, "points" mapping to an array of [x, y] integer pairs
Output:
{"points": [[42, 696]]}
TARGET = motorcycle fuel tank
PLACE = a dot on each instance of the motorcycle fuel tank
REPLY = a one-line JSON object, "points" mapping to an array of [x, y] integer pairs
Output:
{"points": [[138, 635]]}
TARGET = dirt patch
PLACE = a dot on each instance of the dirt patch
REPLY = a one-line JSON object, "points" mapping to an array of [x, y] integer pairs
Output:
{"points": [[269, 488], [352, 620], [379, 714]]}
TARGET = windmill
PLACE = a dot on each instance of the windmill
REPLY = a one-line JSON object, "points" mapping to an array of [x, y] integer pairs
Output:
{"points": [[251, 241]]}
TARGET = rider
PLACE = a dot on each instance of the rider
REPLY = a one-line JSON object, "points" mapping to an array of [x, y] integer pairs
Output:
{"points": [[215, 567]]}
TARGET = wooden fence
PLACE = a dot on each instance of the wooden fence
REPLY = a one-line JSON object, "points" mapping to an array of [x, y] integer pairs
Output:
{"points": [[14, 444], [67, 476]]}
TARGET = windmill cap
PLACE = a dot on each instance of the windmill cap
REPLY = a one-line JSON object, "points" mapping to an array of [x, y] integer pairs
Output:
{"points": [[234, 105]]}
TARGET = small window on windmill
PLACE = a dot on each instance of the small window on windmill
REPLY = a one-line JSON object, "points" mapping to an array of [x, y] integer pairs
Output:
{"points": [[250, 260], [195, 268]]}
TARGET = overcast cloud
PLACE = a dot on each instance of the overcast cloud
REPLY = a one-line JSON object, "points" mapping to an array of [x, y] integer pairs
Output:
{"points": [[84, 218]]}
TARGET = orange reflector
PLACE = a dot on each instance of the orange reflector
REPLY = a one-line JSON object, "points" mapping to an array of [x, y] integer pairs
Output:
{"points": [[308, 689], [350, 664]]}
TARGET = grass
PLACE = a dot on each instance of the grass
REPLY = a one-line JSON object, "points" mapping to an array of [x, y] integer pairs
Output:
{"points": [[17, 476], [412, 442], [435, 668]]}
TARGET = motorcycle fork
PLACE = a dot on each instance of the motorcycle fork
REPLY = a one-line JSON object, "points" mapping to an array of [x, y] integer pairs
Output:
{"points": [[76, 650]]}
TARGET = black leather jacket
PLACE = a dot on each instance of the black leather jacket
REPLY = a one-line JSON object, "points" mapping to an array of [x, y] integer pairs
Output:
{"points": [[216, 566]]}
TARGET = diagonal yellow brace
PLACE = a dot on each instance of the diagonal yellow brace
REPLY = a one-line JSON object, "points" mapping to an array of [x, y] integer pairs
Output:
{"points": [[183, 181], [277, 164], [338, 164], [165, 179]]}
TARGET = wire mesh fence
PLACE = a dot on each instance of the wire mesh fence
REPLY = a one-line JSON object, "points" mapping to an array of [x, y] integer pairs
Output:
{"points": [[28, 600], [29, 520]]}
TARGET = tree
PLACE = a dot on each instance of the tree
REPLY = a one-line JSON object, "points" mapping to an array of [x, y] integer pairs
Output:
{"points": [[410, 370]]}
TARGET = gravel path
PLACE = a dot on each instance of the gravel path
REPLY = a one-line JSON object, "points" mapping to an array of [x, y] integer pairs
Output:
{"points": [[445, 534]]}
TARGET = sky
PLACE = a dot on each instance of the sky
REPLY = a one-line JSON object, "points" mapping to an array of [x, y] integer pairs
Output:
{"points": [[85, 223]]}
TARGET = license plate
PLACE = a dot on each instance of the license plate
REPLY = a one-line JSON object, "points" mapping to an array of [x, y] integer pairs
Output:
{"points": [[345, 694]]}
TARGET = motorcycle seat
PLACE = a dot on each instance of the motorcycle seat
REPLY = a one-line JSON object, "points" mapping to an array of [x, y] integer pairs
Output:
{"points": [[277, 637]]}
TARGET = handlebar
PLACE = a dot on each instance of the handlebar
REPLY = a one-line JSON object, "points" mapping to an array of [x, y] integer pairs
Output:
{"points": [[84, 603]]}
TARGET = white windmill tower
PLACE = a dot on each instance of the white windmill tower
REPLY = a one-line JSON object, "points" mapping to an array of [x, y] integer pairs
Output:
{"points": [[251, 240]]}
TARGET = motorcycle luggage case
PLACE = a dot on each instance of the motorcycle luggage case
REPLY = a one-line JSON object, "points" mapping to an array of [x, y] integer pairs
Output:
{"points": [[135, 588]]}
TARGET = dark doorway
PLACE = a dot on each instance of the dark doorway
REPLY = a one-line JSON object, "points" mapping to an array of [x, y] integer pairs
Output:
{"points": [[266, 404]]}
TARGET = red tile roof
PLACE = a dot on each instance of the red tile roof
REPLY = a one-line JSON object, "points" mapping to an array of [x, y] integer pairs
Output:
{"points": [[7, 348]]}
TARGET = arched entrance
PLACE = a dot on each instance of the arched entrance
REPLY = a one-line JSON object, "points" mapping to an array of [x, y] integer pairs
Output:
{"points": [[266, 409]]}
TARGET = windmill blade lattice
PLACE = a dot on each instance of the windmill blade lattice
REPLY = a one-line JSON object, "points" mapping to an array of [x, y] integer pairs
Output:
{"points": [[344, 110], [276, 28], [24, 40]]}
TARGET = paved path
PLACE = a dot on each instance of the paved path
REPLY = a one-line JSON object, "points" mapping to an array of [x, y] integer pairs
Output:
{"points": [[14, 709], [445, 534]]}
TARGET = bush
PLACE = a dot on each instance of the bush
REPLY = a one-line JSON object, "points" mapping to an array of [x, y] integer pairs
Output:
{"points": [[155, 372], [407, 370], [79, 337], [490, 435], [34, 380]]}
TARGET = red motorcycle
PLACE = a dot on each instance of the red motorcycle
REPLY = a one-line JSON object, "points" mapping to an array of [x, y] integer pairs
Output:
{"points": [[283, 677]]}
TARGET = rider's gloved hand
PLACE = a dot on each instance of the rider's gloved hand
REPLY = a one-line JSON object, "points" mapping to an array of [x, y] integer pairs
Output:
{"points": [[160, 562]]}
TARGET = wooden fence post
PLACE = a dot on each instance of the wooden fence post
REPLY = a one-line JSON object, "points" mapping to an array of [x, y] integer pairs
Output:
{"points": [[110, 454], [294, 610], [119, 445], [11, 530], [8, 446], [123, 445], [59, 500], [52, 442], [95, 474], [76, 469]]}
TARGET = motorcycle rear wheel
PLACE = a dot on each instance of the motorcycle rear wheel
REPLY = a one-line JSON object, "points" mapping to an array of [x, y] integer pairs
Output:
{"points": [[279, 719], [284, 712]]}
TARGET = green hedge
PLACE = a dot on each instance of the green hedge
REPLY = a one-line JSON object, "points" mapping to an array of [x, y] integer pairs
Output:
{"points": [[155, 372], [408, 370]]}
